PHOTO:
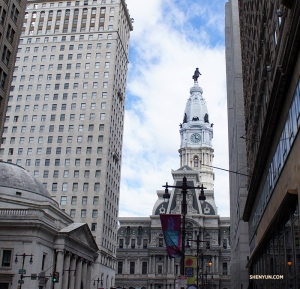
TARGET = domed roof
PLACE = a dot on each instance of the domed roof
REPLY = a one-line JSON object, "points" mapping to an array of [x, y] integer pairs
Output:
{"points": [[16, 177], [196, 109]]}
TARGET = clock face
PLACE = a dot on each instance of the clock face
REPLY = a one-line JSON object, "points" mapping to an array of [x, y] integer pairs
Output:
{"points": [[195, 137]]}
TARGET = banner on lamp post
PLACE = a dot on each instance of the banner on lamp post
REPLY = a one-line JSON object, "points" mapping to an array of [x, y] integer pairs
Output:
{"points": [[190, 263], [171, 227]]}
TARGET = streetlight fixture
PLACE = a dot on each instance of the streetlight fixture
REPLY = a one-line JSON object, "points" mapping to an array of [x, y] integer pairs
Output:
{"points": [[23, 271], [198, 241], [98, 281], [69, 275], [184, 189]]}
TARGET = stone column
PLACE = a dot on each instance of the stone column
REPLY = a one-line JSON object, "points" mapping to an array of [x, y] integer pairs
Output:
{"points": [[78, 273], [73, 271], [66, 273], [84, 274], [173, 265], [153, 264], [125, 266], [168, 268], [59, 267], [88, 275], [149, 264]]}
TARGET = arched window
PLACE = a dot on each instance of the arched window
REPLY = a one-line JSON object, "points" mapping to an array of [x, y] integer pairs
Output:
{"points": [[196, 162]]}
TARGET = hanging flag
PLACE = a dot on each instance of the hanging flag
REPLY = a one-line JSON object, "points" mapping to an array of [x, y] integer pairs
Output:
{"points": [[171, 227]]}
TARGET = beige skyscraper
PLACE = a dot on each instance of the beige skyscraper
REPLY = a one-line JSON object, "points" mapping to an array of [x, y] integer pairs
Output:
{"points": [[64, 122]]}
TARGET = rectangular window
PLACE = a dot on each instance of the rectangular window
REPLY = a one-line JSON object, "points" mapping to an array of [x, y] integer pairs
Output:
{"points": [[145, 243], [63, 201], [160, 242], [72, 213], [132, 243], [6, 258], [96, 200], [132, 268], [120, 267], [93, 227], [224, 268], [74, 200], [159, 269], [144, 268]]}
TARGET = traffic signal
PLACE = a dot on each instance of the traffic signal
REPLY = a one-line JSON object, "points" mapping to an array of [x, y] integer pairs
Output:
{"points": [[55, 277]]}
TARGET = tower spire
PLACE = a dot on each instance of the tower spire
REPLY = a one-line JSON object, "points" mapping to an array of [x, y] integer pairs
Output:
{"points": [[196, 134]]}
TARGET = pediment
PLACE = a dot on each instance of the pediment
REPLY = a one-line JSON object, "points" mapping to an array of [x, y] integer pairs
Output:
{"points": [[80, 232]]}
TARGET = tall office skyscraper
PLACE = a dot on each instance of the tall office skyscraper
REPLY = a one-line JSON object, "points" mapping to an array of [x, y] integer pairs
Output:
{"points": [[11, 20], [239, 277], [65, 115]]}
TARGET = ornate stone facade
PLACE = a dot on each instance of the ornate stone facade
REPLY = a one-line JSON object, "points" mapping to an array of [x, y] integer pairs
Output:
{"points": [[31, 223], [142, 257]]}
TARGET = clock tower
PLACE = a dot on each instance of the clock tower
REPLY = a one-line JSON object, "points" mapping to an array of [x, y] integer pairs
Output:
{"points": [[196, 133]]}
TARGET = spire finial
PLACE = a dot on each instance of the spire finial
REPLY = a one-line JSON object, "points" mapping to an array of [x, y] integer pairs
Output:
{"points": [[196, 74]]}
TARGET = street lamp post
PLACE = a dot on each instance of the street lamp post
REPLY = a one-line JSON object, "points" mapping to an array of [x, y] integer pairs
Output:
{"points": [[69, 271], [184, 189], [22, 271], [98, 281], [198, 241]]}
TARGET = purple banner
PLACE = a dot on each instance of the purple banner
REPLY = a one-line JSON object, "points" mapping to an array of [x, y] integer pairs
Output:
{"points": [[171, 227]]}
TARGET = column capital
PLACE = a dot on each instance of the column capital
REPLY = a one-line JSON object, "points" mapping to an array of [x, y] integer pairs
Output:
{"points": [[74, 257]]}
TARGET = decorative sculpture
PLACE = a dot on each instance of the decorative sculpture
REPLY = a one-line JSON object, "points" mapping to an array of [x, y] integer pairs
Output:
{"points": [[196, 74]]}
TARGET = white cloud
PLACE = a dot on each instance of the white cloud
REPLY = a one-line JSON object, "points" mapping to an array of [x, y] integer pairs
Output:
{"points": [[163, 60]]}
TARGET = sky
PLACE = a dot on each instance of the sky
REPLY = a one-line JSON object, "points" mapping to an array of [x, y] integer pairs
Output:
{"points": [[169, 40]]}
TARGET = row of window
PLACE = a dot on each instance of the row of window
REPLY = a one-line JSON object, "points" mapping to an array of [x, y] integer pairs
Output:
{"points": [[51, 57], [69, 3], [60, 67], [46, 97], [66, 173], [67, 13], [133, 243], [287, 138], [84, 200], [57, 162], [85, 187], [57, 86], [53, 117], [159, 268], [54, 106], [64, 38], [59, 76], [40, 139], [83, 213], [89, 150], [132, 268], [65, 30], [51, 128], [66, 22]]}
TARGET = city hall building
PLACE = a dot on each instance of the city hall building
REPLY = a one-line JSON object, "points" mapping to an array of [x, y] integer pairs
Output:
{"points": [[142, 257]]}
